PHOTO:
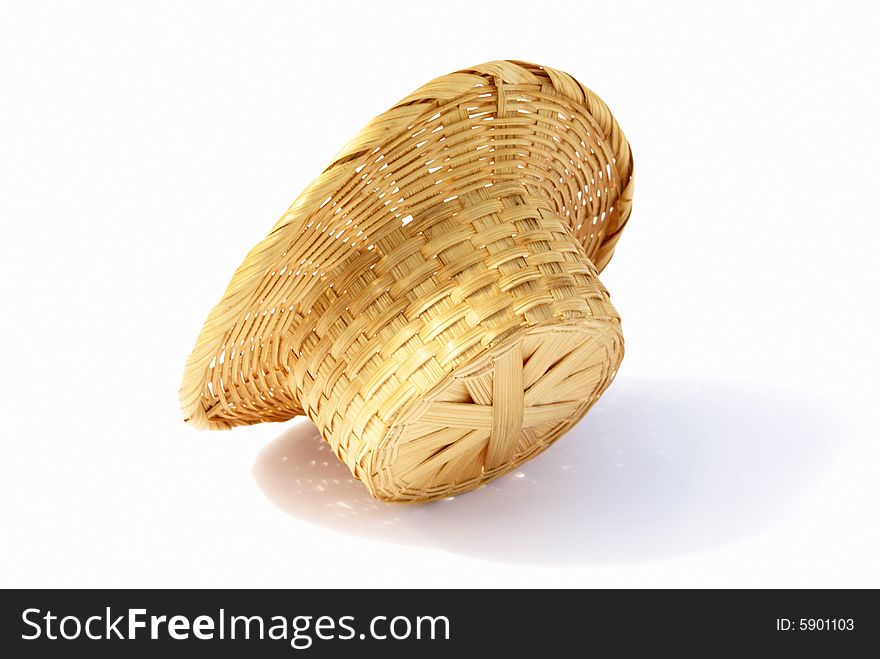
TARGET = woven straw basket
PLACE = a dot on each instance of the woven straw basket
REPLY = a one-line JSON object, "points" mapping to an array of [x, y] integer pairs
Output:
{"points": [[431, 300]]}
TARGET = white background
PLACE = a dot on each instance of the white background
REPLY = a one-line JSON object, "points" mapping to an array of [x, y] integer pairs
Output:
{"points": [[145, 147]]}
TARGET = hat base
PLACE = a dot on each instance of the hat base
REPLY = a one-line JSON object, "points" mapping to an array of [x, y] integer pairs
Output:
{"points": [[493, 413]]}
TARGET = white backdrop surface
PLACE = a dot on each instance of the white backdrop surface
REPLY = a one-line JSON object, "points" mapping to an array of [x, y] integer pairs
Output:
{"points": [[145, 147]]}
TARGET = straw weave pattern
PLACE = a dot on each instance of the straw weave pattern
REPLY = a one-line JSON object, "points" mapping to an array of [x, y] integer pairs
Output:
{"points": [[432, 300]]}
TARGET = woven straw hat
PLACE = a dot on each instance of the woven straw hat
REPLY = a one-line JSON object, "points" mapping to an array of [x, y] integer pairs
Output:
{"points": [[431, 301]]}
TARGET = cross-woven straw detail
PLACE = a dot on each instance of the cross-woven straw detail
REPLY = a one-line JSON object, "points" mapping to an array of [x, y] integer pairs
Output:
{"points": [[502, 410]]}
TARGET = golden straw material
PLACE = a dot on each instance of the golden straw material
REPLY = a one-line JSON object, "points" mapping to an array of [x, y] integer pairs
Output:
{"points": [[431, 301]]}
